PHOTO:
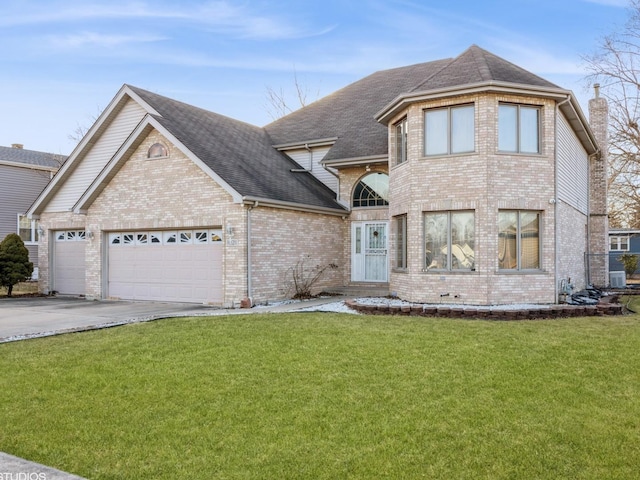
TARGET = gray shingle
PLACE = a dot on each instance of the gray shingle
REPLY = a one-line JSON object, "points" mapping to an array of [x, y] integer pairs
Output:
{"points": [[31, 157], [243, 154], [240, 153]]}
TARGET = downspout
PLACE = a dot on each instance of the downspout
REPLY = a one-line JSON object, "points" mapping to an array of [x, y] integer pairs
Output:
{"points": [[555, 204], [249, 276]]}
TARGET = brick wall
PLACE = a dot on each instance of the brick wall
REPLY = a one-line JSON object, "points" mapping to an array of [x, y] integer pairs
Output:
{"points": [[485, 182], [281, 238]]}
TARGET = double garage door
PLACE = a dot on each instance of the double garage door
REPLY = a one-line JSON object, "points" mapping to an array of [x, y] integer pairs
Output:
{"points": [[170, 266]]}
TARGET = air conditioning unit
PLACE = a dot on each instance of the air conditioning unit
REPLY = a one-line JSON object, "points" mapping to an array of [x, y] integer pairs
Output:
{"points": [[617, 279]]}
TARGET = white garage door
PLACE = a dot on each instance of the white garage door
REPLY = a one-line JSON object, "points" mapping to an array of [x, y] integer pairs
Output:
{"points": [[170, 266], [68, 262]]}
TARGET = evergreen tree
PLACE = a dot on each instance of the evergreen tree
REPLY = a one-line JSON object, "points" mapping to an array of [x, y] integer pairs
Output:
{"points": [[15, 266]]}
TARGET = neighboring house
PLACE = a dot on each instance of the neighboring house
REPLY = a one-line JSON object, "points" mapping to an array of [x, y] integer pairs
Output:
{"points": [[468, 179], [622, 241], [23, 175]]}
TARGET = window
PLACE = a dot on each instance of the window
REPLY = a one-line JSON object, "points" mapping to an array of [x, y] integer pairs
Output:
{"points": [[449, 130], [401, 241], [518, 240], [372, 191], [449, 240], [620, 243], [27, 229], [401, 141], [518, 129], [157, 150]]}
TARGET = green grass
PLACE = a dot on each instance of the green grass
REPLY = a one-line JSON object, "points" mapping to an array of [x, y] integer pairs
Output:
{"points": [[329, 396]]}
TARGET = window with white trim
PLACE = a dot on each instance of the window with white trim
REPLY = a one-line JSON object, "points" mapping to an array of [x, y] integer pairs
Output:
{"points": [[449, 130], [27, 229], [372, 191], [619, 243], [518, 128], [169, 237]]}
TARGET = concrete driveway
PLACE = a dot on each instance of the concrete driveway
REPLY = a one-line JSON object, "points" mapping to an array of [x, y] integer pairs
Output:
{"points": [[30, 317]]}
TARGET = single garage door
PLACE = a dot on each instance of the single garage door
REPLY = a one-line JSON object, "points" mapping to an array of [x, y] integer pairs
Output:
{"points": [[69, 262], [169, 266]]}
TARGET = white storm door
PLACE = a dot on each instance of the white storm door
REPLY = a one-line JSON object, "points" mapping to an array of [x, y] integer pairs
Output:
{"points": [[369, 252]]}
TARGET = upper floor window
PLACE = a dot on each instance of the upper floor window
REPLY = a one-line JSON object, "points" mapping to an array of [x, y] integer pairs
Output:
{"points": [[449, 130], [27, 229], [372, 191], [449, 240], [518, 129], [401, 141], [157, 150], [619, 243], [518, 240]]}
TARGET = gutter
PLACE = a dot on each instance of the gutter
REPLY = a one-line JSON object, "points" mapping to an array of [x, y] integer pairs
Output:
{"points": [[266, 202]]}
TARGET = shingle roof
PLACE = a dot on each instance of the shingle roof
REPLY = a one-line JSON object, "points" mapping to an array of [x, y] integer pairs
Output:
{"points": [[243, 154], [240, 153], [31, 157], [349, 113], [476, 65]]}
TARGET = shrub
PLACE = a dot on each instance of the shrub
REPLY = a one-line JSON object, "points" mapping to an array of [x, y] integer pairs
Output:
{"points": [[304, 277], [15, 266], [629, 262]]}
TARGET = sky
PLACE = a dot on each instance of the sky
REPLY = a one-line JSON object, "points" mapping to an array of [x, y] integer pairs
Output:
{"points": [[63, 61]]}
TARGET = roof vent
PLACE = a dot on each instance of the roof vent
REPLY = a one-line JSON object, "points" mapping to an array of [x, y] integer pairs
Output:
{"points": [[19, 146]]}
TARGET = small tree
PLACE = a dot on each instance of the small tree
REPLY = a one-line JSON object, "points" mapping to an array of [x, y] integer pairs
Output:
{"points": [[629, 262], [15, 266]]}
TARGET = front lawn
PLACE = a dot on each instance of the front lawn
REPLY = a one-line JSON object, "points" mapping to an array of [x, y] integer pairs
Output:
{"points": [[329, 396]]}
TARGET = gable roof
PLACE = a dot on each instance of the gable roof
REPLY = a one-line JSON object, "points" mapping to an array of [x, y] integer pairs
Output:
{"points": [[246, 160], [240, 153], [31, 158]]}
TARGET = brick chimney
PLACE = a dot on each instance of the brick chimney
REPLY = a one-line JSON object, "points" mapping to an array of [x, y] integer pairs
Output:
{"points": [[19, 146], [598, 215]]}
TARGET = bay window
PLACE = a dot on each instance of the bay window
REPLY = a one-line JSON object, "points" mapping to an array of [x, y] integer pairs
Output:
{"points": [[449, 130], [518, 128], [401, 241], [449, 240], [401, 141], [518, 240]]}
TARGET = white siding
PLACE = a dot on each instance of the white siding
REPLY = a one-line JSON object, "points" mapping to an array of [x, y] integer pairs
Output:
{"points": [[573, 168], [312, 163], [97, 157]]}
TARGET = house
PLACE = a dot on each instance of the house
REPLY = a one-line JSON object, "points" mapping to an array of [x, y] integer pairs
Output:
{"points": [[467, 178], [622, 241], [23, 175]]}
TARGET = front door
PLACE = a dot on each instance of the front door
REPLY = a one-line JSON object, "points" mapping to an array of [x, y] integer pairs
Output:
{"points": [[369, 259]]}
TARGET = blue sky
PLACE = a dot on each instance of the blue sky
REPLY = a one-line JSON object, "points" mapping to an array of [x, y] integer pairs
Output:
{"points": [[62, 61]]}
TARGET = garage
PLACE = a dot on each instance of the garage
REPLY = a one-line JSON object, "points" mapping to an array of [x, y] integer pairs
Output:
{"points": [[69, 262], [169, 266]]}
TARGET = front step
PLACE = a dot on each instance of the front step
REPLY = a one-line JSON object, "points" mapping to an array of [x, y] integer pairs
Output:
{"points": [[361, 290]]}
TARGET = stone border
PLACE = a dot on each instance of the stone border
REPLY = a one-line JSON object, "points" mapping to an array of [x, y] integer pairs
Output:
{"points": [[603, 308]]}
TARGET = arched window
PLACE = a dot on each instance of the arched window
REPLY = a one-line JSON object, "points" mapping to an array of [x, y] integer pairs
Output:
{"points": [[372, 191], [157, 150]]}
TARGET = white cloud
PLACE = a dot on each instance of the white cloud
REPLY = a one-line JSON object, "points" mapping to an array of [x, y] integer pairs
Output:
{"points": [[92, 39], [610, 3], [220, 16]]}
